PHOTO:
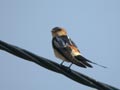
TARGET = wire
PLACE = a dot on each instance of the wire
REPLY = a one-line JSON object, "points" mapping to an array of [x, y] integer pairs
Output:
{"points": [[53, 66]]}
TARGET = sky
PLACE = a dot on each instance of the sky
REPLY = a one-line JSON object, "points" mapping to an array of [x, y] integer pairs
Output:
{"points": [[94, 25]]}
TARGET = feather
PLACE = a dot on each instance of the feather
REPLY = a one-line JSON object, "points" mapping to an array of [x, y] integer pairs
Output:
{"points": [[86, 60], [83, 60]]}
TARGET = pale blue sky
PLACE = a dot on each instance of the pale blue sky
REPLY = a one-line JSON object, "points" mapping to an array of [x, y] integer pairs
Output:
{"points": [[93, 24]]}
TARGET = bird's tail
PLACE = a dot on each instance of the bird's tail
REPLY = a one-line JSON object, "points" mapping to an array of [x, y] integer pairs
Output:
{"points": [[83, 60], [86, 60], [80, 64]]}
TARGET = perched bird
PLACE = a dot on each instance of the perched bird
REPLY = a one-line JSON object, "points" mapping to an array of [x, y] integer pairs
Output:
{"points": [[65, 49]]}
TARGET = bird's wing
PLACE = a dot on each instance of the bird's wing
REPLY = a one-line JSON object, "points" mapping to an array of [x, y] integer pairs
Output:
{"points": [[61, 44]]}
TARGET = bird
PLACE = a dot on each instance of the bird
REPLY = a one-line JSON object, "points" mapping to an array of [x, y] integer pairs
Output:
{"points": [[65, 49]]}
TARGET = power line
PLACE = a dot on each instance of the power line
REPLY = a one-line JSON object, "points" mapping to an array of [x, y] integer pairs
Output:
{"points": [[53, 66]]}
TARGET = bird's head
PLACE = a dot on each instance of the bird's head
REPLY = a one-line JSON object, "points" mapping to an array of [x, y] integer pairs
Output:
{"points": [[58, 31]]}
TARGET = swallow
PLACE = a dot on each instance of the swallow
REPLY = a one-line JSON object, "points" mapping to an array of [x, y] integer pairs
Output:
{"points": [[66, 50]]}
